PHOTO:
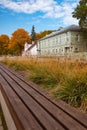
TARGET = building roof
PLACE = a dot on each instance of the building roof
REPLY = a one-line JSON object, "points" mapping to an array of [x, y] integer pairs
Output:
{"points": [[32, 45], [62, 30]]}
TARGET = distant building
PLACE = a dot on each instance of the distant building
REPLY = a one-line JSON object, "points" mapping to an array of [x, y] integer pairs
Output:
{"points": [[30, 49], [64, 41]]}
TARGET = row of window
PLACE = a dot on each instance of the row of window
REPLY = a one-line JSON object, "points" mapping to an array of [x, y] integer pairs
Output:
{"points": [[52, 41], [58, 40], [59, 50]]}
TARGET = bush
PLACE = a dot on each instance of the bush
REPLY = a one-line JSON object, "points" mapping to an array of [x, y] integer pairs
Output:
{"points": [[74, 90]]}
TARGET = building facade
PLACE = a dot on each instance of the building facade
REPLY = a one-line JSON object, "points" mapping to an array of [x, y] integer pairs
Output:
{"points": [[64, 41], [30, 49]]}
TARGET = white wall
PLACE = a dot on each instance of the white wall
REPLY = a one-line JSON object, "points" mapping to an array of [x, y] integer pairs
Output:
{"points": [[33, 51]]}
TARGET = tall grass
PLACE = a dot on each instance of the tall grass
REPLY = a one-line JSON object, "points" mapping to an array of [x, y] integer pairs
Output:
{"points": [[74, 90], [65, 80], [3, 120]]}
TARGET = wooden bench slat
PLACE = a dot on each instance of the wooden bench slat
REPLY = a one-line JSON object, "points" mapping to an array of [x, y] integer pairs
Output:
{"points": [[46, 120], [74, 113], [19, 112], [57, 113], [46, 112]]}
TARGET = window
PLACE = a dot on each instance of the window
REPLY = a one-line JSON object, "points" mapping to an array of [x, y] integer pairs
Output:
{"points": [[48, 51], [53, 51], [76, 49], [56, 50], [77, 38], [71, 49], [60, 40], [67, 36]]}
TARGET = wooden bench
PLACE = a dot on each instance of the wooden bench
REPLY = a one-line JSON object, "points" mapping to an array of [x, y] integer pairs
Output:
{"points": [[27, 107]]}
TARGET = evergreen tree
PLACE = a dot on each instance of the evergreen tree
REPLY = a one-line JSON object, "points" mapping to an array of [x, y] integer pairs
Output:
{"points": [[33, 34]]}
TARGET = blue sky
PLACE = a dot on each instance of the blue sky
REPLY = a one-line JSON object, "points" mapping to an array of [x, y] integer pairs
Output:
{"points": [[43, 14]]}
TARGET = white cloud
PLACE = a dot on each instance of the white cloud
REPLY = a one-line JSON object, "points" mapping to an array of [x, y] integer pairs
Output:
{"points": [[49, 8], [29, 6], [68, 9], [68, 20]]}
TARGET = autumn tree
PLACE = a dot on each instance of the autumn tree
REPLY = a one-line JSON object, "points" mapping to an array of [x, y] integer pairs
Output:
{"points": [[81, 13], [4, 43], [18, 39], [33, 34], [43, 33]]}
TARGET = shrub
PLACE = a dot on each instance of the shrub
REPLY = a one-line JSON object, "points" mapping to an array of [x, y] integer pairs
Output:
{"points": [[74, 90]]}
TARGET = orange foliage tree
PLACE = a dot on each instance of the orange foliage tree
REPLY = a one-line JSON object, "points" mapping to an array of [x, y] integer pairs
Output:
{"points": [[4, 43], [18, 39], [42, 34]]}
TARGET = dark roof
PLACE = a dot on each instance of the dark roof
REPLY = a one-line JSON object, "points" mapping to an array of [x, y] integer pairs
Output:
{"points": [[62, 30]]}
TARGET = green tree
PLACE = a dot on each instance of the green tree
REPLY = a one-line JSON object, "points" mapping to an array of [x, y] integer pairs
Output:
{"points": [[81, 13], [33, 34], [4, 43], [18, 39]]}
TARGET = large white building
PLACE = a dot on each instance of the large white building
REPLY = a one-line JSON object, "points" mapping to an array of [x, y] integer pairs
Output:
{"points": [[64, 41]]}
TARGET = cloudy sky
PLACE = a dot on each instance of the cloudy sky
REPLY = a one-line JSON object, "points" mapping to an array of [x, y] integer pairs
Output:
{"points": [[43, 14]]}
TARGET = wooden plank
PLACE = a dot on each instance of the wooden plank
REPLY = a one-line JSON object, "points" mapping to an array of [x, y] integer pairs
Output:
{"points": [[8, 118], [53, 110], [21, 115], [44, 118], [58, 110], [73, 112], [48, 106], [80, 117]]}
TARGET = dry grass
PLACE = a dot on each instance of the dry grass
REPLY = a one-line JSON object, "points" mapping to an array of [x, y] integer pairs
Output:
{"points": [[64, 79]]}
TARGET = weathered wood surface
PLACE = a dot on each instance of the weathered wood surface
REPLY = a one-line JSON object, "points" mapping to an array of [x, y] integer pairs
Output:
{"points": [[32, 109]]}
